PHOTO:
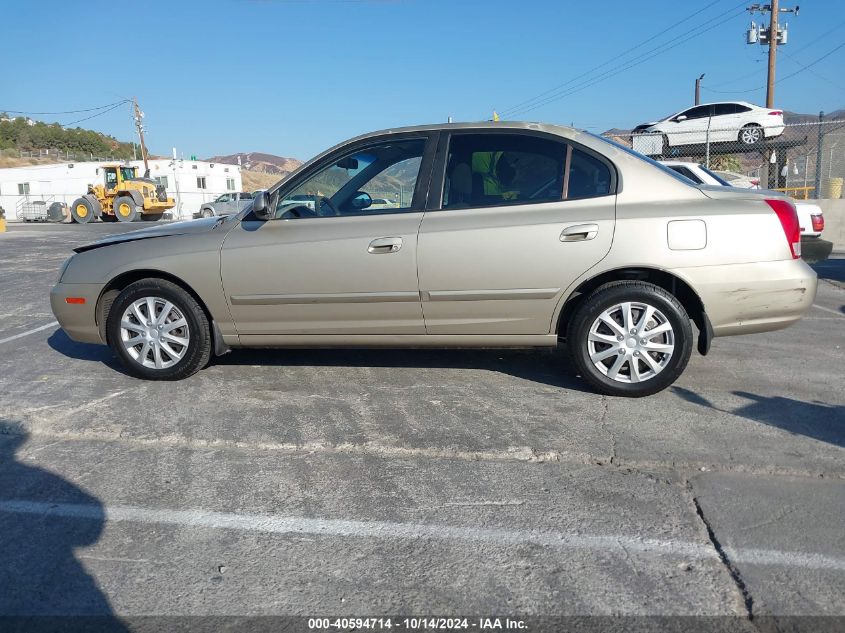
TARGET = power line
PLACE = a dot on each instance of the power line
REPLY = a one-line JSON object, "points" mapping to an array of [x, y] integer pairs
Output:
{"points": [[114, 107], [797, 72], [102, 107], [610, 61], [659, 50]]}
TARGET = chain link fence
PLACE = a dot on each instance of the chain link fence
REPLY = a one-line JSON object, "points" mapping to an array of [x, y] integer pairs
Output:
{"points": [[806, 159]]}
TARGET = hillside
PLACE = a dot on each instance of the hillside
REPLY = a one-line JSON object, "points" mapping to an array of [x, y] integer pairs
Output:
{"points": [[260, 162], [24, 135]]}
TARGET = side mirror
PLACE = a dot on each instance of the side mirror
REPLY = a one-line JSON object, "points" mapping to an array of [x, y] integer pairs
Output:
{"points": [[362, 200], [680, 117], [261, 206], [347, 163]]}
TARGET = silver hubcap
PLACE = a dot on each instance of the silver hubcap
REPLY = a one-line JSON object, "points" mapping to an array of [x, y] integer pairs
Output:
{"points": [[750, 135], [631, 342], [154, 333]]}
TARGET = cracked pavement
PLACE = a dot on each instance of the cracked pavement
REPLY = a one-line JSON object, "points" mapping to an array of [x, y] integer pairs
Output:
{"points": [[416, 481]]}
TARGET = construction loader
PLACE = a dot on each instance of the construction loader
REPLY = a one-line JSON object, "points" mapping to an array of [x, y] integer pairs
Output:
{"points": [[122, 197]]}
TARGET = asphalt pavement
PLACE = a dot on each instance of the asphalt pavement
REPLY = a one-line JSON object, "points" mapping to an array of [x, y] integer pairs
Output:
{"points": [[416, 482]]}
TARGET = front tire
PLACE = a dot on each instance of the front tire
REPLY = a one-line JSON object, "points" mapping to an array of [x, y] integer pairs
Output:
{"points": [[630, 338], [159, 331], [82, 211]]}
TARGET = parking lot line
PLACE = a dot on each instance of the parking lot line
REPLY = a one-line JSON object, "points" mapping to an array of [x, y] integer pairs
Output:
{"points": [[28, 332], [276, 524], [836, 312]]}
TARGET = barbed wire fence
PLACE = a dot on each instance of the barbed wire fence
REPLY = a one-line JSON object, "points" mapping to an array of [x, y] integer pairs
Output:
{"points": [[806, 159]]}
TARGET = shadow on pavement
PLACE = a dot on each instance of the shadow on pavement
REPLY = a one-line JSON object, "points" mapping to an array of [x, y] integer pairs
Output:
{"points": [[545, 366], [39, 572], [817, 420], [832, 269]]}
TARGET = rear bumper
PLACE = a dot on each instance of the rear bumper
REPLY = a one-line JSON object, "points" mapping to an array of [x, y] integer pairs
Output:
{"points": [[78, 320], [749, 298]]}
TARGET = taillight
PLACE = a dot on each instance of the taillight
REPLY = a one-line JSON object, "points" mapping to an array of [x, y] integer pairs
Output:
{"points": [[776, 113], [818, 222], [788, 217]]}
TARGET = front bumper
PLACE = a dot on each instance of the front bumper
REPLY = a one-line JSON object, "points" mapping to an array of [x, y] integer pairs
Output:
{"points": [[78, 320], [757, 297]]}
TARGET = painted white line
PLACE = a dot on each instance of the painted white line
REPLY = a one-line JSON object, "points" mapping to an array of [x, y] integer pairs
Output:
{"points": [[28, 332], [361, 529], [384, 529], [836, 312]]}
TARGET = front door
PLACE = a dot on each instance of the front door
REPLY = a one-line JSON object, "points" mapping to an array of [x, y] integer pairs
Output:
{"points": [[690, 127], [331, 262], [512, 232]]}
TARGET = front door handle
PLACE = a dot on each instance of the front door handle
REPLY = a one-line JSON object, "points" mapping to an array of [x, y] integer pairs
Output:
{"points": [[385, 245], [579, 232]]}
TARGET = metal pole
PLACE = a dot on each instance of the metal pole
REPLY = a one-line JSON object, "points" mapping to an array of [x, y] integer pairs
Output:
{"points": [[818, 182], [698, 89], [773, 52]]}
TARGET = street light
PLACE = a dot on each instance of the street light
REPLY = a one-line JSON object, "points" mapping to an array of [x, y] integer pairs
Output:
{"points": [[698, 89]]}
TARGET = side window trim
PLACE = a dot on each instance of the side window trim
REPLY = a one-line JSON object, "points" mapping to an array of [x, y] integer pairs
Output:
{"points": [[420, 189]]}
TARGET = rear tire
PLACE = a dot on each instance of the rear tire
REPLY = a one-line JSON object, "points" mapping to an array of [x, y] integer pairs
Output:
{"points": [[82, 211], [630, 338], [125, 209], [206, 213], [750, 134], [159, 331]]}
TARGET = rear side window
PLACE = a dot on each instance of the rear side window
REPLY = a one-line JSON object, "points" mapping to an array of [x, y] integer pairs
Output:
{"points": [[485, 170], [589, 177], [686, 173]]}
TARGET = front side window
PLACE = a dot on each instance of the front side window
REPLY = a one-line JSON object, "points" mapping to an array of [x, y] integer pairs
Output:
{"points": [[496, 169], [698, 112], [224, 198], [351, 184]]}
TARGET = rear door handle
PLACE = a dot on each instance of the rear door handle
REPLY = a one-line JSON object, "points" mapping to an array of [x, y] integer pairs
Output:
{"points": [[579, 232], [384, 245]]}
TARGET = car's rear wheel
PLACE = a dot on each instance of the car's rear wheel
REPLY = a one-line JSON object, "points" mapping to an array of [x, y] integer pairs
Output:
{"points": [[750, 134], [159, 331], [630, 338]]}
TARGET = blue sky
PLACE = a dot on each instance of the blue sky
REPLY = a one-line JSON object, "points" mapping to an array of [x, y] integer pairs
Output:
{"points": [[292, 77]]}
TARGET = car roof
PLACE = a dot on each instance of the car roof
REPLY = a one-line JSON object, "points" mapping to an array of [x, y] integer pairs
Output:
{"points": [[551, 128]]}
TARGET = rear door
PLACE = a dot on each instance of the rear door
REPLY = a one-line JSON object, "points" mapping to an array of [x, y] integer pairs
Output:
{"points": [[726, 121], [514, 218]]}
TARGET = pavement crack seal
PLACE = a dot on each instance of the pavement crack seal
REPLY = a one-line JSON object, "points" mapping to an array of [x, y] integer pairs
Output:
{"points": [[747, 599], [604, 427]]}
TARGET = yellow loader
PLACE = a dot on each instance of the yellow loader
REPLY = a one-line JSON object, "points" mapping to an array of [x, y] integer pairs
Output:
{"points": [[122, 196]]}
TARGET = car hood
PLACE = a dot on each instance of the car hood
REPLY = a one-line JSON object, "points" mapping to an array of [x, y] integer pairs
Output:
{"points": [[163, 230]]}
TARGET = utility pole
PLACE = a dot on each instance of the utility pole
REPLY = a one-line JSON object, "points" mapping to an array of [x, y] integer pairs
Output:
{"points": [[774, 36], [698, 89], [138, 126]]}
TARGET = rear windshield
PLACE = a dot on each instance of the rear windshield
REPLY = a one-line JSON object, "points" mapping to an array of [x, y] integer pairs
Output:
{"points": [[666, 170], [715, 177]]}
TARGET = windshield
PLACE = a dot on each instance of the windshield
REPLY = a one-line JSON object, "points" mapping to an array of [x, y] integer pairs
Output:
{"points": [[666, 170], [127, 173]]}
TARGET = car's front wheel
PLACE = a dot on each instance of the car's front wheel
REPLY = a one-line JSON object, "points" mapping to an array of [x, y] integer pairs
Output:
{"points": [[159, 331], [630, 338]]}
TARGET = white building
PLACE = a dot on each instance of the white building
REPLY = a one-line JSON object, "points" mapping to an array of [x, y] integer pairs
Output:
{"points": [[189, 182]]}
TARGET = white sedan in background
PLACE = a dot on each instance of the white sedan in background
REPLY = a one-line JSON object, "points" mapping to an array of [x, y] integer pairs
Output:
{"points": [[733, 121], [810, 216]]}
